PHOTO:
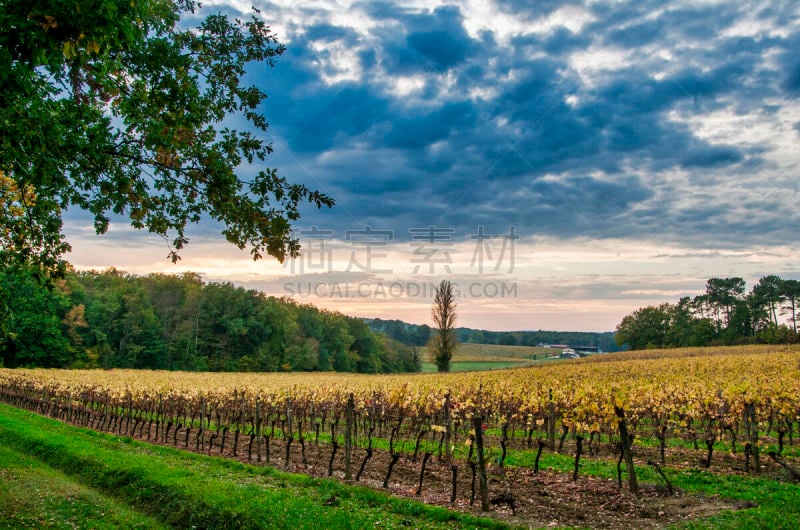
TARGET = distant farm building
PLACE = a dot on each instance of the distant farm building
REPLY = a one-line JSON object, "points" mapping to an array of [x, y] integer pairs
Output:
{"points": [[569, 353]]}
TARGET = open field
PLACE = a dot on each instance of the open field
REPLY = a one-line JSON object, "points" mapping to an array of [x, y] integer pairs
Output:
{"points": [[707, 417], [475, 352], [472, 357], [498, 352]]}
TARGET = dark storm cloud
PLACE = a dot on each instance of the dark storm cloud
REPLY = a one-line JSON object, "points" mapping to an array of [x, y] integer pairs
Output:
{"points": [[439, 48], [710, 157], [792, 83], [434, 42], [328, 32], [343, 113], [433, 124], [790, 63], [419, 131], [562, 41], [637, 34], [517, 7], [631, 94], [567, 207]]}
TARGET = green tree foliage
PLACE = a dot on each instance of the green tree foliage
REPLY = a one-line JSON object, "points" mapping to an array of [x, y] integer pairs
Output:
{"points": [[603, 341], [645, 328], [790, 293], [722, 294], [116, 107], [443, 343], [5, 321], [769, 291], [115, 320], [409, 334], [34, 326], [419, 335], [724, 314]]}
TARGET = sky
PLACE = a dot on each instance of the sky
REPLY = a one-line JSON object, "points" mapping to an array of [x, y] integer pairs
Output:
{"points": [[562, 163]]}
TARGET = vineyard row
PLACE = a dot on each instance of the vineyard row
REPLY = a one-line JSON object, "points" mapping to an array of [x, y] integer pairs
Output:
{"points": [[409, 421]]}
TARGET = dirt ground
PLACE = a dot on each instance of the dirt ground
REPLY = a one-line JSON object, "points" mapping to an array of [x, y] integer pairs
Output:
{"points": [[545, 499], [554, 499]]}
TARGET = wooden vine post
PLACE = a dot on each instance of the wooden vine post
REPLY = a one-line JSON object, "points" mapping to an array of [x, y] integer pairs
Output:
{"points": [[751, 429], [202, 424], [448, 426], [238, 420], [159, 415], [448, 446], [130, 407], [551, 421], [258, 430], [477, 422], [349, 417], [289, 432], [334, 444]]}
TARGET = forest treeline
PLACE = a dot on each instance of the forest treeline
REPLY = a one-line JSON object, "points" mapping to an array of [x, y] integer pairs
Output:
{"points": [[724, 314], [603, 341], [418, 335], [111, 319]]}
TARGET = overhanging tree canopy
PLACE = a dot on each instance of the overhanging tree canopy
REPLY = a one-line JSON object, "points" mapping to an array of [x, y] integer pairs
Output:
{"points": [[112, 107]]}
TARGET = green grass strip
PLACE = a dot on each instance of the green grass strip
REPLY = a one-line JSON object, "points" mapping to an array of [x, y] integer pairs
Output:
{"points": [[185, 489], [34, 495]]}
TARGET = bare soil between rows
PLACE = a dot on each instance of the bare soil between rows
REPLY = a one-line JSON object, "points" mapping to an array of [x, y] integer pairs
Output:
{"points": [[544, 499]]}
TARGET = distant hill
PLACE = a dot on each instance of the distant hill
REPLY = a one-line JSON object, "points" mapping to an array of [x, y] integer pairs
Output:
{"points": [[417, 335]]}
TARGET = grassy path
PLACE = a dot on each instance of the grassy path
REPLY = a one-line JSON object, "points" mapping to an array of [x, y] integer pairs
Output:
{"points": [[34, 495], [63, 474]]}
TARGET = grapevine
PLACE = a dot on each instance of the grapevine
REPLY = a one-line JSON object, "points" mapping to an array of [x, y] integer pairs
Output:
{"points": [[700, 397]]}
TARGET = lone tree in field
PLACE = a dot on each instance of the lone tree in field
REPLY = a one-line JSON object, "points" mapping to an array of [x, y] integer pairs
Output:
{"points": [[119, 107], [444, 317]]}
